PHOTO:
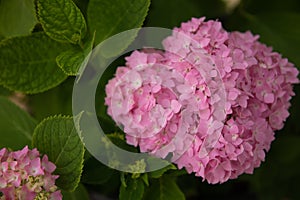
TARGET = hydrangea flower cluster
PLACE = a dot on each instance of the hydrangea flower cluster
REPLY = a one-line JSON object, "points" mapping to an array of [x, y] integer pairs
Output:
{"points": [[25, 176], [212, 99]]}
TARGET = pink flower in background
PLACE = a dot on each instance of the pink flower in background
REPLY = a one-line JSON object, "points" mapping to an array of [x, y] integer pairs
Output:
{"points": [[24, 175], [171, 102]]}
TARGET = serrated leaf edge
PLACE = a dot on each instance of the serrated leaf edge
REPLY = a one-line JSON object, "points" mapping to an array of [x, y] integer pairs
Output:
{"points": [[60, 116]]}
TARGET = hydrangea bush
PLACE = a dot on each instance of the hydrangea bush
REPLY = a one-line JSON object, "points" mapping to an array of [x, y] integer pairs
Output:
{"points": [[211, 101], [25, 175], [160, 94]]}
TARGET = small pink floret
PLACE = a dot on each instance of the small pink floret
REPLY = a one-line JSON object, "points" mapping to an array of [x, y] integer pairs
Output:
{"points": [[24, 175]]}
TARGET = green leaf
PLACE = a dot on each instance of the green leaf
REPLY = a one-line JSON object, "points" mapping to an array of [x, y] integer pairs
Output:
{"points": [[107, 18], [62, 20], [57, 137], [58, 101], [133, 190], [145, 178], [17, 17], [160, 172], [79, 194], [15, 124], [164, 188], [95, 172], [82, 5], [28, 64], [70, 61]]}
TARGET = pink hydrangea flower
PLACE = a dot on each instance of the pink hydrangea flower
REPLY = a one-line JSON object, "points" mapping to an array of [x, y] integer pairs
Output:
{"points": [[212, 99], [24, 175]]}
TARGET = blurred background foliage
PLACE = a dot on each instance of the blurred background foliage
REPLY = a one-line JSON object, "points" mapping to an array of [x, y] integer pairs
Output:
{"points": [[278, 24]]}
